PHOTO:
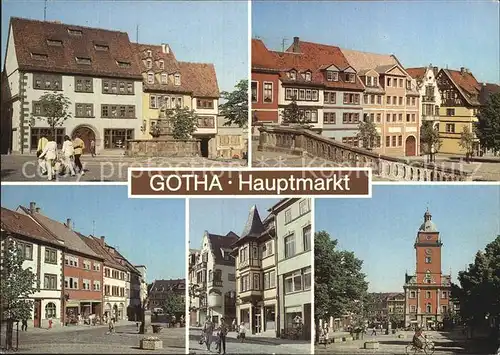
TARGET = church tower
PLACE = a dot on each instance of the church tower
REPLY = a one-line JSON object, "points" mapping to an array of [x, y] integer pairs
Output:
{"points": [[427, 292]]}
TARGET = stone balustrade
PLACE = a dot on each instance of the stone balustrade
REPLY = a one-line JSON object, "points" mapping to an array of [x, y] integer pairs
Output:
{"points": [[299, 141], [158, 147]]}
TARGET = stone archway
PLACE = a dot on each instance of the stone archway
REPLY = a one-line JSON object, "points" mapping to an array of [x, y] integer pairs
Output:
{"points": [[410, 146], [86, 134]]}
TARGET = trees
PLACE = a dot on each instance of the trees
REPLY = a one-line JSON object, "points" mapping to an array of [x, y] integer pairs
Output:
{"points": [[488, 127], [173, 304], [429, 138], [293, 114], [183, 122], [16, 286], [368, 134], [53, 108], [479, 290], [340, 286], [235, 107], [467, 142]]}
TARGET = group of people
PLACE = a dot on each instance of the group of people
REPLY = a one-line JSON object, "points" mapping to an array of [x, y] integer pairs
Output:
{"points": [[51, 163], [221, 334]]}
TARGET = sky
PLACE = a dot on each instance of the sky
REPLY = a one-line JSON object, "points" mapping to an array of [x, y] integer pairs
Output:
{"points": [[197, 31], [220, 216], [381, 230], [147, 232], [445, 33]]}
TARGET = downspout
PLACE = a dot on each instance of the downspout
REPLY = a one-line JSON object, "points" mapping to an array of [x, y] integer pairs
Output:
{"points": [[278, 318]]}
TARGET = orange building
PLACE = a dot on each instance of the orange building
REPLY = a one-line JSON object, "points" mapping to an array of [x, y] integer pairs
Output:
{"points": [[427, 293]]}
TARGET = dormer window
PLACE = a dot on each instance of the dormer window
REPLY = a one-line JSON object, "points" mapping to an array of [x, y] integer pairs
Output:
{"points": [[54, 42], [177, 79], [349, 77], [83, 60], [149, 53], [161, 64], [293, 75], [151, 78], [101, 47], [149, 63], [123, 64], [408, 84], [164, 78], [308, 76], [74, 32], [370, 81], [39, 56], [332, 75]]}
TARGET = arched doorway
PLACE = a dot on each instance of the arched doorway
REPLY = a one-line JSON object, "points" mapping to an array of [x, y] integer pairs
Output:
{"points": [[86, 134], [410, 146]]}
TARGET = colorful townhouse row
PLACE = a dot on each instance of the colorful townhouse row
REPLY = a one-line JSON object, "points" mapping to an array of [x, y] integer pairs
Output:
{"points": [[338, 88], [117, 89], [79, 276], [263, 277]]}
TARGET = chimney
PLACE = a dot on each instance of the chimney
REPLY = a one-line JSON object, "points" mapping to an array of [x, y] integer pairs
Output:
{"points": [[102, 239], [296, 42], [37, 209], [165, 48], [68, 223], [32, 207], [435, 70], [462, 70]]}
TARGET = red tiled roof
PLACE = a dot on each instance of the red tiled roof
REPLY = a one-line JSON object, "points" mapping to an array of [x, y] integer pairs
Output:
{"points": [[18, 223], [488, 89], [466, 83], [416, 73], [200, 79], [96, 245], [31, 38], [312, 57]]}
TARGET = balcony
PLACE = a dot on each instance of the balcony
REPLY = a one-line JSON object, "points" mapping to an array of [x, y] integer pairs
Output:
{"points": [[427, 98], [201, 266], [215, 283], [426, 117], [249, 295]]}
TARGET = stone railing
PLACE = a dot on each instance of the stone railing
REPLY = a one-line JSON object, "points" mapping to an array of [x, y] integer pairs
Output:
{"points": [[158, 147], [300, 141]]}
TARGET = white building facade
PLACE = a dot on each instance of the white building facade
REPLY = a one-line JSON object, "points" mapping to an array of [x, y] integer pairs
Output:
{"points": [[116, 299], [294, 272]]}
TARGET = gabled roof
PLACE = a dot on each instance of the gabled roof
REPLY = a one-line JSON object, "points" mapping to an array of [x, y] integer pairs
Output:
{"points": [[262, 58], [167, 285], [71, 239], [488, 89], [97, 246], [200, 79], [170, 63], [219, 242], [365, 60], [466, 83], [31, 38], [417, 73], [22, 224]]}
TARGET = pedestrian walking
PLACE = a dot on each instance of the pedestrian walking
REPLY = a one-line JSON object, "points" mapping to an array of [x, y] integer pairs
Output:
{"points": [[49, 153], [24, 325], [92, 148], [42, 142], [79, 146], [242, 332], [68, 155], [111, 325], [50, 323], [223, 330], [374, 330], [208, 329], [233, 326]]}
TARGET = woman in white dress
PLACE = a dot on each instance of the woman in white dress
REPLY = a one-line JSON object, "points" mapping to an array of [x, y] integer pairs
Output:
{"points": [[50, 155], [68, 155]]}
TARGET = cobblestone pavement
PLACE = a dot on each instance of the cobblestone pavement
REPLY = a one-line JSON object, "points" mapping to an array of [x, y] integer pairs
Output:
{"points": [[391, 344], [97, 340], [481, 171], [251, 345], [103, 168]]}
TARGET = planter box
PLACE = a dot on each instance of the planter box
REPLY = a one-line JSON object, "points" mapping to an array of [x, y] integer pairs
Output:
{"points": [[372, 345], [151, 344]]}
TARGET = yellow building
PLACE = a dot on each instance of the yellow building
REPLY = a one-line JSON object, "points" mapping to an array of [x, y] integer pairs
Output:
{"points": [[168, 83], [459, 105]]}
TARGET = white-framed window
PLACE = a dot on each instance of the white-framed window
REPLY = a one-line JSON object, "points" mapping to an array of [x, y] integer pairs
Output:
{"points": [[304, 206], [71, 283], [308, 76], [307, 278], [269, 280], [267, 249], [152, 101], [413, 294], [97, 285], [151, 78], [86, 284], [293, 75], [86, 264], [149, 63], [428, 308], [289, 246], [255, 91], [268, 92], [413, 308], [71, 260], [293, 282], [244, 254], [161, 64], [164, 78], [177, 79], [97, 267], [50, 310], [332, 75], [306, 237], [288, 216]]}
